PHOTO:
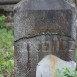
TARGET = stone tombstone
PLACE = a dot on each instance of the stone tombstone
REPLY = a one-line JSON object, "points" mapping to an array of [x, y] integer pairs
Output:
{"points": [[41, 28]]}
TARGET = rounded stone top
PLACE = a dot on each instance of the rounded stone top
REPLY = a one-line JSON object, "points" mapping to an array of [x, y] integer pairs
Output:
{"points": [[43, 5], [37, 17]]}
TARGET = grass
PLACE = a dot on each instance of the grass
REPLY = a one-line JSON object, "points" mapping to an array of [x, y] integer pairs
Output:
{"points": [[6, 53]]}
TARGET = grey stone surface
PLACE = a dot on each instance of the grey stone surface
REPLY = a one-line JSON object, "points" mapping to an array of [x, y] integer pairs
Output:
{"points": [[42, 27], [61, 13], [44, 5], [28, 52], [74, 4]]}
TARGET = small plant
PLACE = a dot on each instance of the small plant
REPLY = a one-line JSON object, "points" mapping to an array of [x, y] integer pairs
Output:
{"points": [[2, 21], [66, 72]]}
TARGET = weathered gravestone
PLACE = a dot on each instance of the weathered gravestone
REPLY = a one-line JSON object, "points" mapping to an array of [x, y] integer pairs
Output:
{"points": [[42, 27]]}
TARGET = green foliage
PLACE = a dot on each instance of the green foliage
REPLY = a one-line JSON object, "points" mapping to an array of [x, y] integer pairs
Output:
{"points": [[6, 52], [2, 21], [66, 72]]}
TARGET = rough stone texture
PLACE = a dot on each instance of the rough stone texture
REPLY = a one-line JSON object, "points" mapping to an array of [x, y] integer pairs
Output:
{"points": [[42, 27], [25, 16], [74, 4], [7, 7], [28, 52]]}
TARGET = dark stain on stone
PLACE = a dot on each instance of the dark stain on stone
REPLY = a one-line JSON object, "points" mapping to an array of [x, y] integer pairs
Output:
{"points": [[40, 52], [60, 46], [28, 61], [46, 46]]}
